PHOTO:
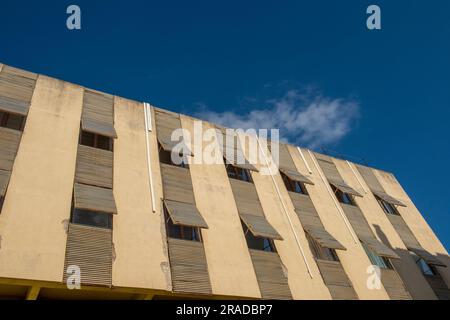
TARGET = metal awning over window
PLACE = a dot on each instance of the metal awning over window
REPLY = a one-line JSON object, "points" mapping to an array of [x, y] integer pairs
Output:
{"points": [[260, 227], [311, 222], [16, 90], [98, 113], [167, 123], [378, 247], [375, 186], [425, 255], [322, 236], [286, 163], [94, 198], [385, 197], [342, 186], [185, 214], [294, 175], [232, 150], [14, 106]]}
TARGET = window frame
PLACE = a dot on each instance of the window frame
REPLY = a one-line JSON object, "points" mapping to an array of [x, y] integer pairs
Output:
{"points": [[375, 259], [5, 118], [319, 252], [426, 269], [268, 245], [237, 173], [76, 212], [387, 207], [343, 197], [294, 185], [182, 230], [166, 158], [95, 143]]}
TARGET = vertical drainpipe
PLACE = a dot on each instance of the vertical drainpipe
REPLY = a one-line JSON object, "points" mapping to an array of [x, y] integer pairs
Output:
{"points": [[148, 127]]}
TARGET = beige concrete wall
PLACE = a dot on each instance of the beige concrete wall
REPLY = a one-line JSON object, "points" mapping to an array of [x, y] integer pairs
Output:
{"points": [[1, 67], [416, 221], [229, 263], [385, 232], [138, 237], [301, 283], [38, 198], [354, 259]]}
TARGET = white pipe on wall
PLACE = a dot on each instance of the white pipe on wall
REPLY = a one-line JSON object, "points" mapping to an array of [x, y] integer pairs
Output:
{"points": [[285, 210], [148, 127], [304, 160]]}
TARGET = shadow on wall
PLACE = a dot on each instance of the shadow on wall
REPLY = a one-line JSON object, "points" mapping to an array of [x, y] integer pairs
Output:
{"points": [[436, 282]]}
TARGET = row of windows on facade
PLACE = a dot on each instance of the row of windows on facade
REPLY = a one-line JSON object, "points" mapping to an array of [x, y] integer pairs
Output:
{"points": [[194, 233], [258, 243], [17, 122], [104, 220]]}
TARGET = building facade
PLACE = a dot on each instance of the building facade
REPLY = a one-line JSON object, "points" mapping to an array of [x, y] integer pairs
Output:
{"points": [[90, 194]]}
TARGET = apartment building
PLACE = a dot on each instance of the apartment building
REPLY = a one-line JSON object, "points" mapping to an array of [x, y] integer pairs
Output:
{"points": [[90, 194]]}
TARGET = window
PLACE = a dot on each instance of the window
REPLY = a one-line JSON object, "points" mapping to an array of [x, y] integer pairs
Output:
{"points": [[387, 207], [426, 269], [320, 252], [96, 140], [238, 173], [258, 243], [11, 121], [166, 157], [376, 260], [181, 232], [293, 186], [343, 197], [92, 218]]}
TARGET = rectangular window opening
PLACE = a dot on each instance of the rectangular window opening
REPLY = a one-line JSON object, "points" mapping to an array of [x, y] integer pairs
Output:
{"points": [[94, 140], [382, 262], [91, 218], [258, 243], [181, 232], [426, 269], [343, 197], [12, 121], [238, 173], [293, 186], [319, 252], [387, 207], [166, 158]]}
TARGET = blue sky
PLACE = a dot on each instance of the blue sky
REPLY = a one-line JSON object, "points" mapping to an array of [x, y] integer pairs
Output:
{"points": [[384, 95]]}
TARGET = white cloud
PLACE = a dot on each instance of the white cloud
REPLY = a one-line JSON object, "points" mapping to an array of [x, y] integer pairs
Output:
{"points": [[302, 119]]}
